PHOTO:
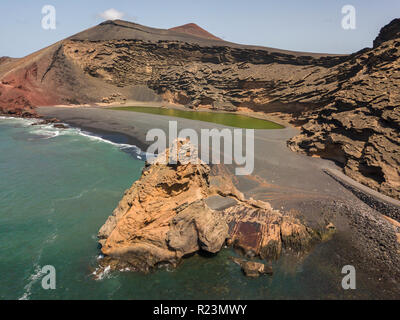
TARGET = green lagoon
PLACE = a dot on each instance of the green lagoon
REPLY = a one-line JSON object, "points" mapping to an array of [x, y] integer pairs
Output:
{"points": [[227, 119]]}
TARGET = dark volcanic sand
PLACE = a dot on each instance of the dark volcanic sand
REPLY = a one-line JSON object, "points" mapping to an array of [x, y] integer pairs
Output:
{"points": [[289, 181]]}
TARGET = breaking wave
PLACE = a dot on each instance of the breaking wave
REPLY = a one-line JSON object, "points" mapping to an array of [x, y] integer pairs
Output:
{"points": [[48, 131]]}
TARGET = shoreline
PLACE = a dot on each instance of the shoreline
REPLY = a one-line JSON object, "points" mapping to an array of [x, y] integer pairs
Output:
{"points": [[365, 236], [117, 134], [279, 180], [374, 199], [277, 117], [112, 136]]}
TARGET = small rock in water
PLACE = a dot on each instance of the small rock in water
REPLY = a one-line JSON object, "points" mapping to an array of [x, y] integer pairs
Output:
{"points": [[253, 269], [330, 226], [46, 121], [60, 126]]}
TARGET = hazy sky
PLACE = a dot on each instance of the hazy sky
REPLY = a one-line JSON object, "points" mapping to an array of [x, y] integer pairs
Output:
{"points": [[301, 25]]}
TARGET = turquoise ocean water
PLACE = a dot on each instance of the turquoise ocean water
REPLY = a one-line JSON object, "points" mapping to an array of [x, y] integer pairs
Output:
{"points": [[57, 188]]}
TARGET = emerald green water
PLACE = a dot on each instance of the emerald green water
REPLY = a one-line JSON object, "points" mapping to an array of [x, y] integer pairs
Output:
{"points": [[227, 119], [57, 188]]}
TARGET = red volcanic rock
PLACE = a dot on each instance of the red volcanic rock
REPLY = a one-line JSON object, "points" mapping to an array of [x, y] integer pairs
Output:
{"points": [[4, 59], [21, 88], [194, 30]]}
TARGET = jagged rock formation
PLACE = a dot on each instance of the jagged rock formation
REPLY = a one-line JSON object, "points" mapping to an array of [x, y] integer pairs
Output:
{"points": [[359, 128], [388, 32], [264, 232], [131, 61], [348, 105], [165, 217]]}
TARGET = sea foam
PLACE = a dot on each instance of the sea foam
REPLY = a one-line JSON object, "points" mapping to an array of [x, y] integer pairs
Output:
{"points": [[48, 131]]}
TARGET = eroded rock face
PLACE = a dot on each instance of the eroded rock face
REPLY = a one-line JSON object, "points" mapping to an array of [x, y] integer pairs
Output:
{"points": [[164, 217], [263, 232], [118, 61], [360, 127], [195, 228], [145, 228], [220, 77], [388, 32]]}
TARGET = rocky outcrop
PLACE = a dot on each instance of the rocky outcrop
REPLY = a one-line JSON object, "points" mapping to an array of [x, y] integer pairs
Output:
{"points": [[195, 75], [360, 128], [389, 32], [165, 217], [265, 233]]}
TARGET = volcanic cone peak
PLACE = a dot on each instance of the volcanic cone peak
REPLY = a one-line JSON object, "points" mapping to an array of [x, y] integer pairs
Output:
{"points": [[194, 30], [125, 30]]}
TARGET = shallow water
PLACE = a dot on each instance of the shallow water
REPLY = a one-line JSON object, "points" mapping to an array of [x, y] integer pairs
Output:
{"points": [[227, 119], [57, 188]]}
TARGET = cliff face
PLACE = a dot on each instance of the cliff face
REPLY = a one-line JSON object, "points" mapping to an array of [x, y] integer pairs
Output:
{"points": [[389, 32], [166, 216], [195, 75], [118, 61], [360, 127]]}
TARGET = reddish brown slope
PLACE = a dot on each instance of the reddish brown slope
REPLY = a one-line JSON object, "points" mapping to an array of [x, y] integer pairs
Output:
{"points": [[20, 85], [194, 30]]}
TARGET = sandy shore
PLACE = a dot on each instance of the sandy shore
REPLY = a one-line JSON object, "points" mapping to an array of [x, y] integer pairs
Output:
{"points": [[291, 182], [273, 160], [277, 170]]}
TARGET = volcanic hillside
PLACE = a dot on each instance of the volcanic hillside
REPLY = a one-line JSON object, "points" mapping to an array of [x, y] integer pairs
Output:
{"points": [[119, 60], [348, 104], [194, 30]]}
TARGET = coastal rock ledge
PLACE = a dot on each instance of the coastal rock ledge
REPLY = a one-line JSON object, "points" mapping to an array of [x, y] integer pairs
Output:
{"points": [[176, 210]]}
